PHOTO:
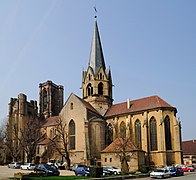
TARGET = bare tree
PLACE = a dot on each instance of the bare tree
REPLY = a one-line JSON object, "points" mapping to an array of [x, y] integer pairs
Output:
{"points": [[124, 147], [12, 144], [29, 136], [2, 141], [60, 141]]}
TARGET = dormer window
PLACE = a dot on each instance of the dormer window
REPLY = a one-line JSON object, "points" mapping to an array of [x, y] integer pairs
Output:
{"points": [[89, 77]]}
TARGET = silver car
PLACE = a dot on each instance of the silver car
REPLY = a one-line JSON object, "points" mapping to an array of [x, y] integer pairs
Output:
{"points": [[28, 166], [160, 173], [14, 165]]}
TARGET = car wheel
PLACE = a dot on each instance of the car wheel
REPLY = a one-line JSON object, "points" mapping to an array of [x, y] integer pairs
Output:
{"points": [[189, 170], [115, 172]]}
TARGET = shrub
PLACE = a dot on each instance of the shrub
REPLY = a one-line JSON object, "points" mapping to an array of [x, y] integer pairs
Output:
{"points": [[96, 171], [144, 169]]}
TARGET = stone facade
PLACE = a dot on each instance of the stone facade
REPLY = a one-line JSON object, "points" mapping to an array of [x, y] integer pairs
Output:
{"points": [[51, 99], [20, 111]]}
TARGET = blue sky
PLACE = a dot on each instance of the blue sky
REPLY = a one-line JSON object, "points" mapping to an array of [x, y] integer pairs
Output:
{"points": [[149, 45]]}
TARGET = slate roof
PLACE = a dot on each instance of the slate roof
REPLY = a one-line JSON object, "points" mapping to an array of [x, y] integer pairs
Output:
{"points": [[189, 147], [51, 121], [117, 144], [138, 105], [96, 55]]}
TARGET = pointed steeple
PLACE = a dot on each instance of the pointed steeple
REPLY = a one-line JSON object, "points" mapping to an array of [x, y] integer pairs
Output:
{"points": [[96, 55]]}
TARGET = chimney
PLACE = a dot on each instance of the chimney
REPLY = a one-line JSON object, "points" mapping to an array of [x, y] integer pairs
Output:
{"points": [[128, 103]]}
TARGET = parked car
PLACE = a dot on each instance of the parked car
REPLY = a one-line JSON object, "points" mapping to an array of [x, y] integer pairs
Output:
{"points": [[187, 169], [76, 166], [160, 173], [106, 172], [15, 165], [112, 169], [28, 166], [82, 170], [175, 171], [49, 170]]}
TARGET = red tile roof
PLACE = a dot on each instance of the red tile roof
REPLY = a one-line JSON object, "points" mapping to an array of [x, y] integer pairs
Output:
{"points": [[117, 145], [142, 104], [189, 147], [51, 121]]}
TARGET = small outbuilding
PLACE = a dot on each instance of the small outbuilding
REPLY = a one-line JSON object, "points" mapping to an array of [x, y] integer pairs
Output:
{"points": [[112, 154]]}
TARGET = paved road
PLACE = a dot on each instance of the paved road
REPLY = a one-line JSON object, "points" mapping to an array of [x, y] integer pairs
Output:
{"points": [[187, 176]]}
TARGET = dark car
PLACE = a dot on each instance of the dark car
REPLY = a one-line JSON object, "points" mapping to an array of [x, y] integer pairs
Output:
{"points": [[175, 171], [49, 170], [82, 170]]}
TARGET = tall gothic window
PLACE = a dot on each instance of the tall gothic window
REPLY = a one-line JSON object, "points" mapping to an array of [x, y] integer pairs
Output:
{"points": [[44, 99], [109, 133], [72, 134], [153, 134], [122, 130], [167, 134], [138, 134], [89, 89], [100, 88]]}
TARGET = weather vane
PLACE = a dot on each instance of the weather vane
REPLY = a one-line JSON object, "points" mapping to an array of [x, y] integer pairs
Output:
{"points": [[95, 11]]}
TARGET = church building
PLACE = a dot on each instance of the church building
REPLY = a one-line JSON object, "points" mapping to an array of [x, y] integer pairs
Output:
{"points": [[95, 125], [94, 122]]}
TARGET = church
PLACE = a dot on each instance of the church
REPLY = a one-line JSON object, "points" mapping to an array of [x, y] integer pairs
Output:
{"points": [[95, 125]]}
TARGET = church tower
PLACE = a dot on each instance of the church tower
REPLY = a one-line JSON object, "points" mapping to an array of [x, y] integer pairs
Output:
{"points": [[51, 99], [97, 80]]}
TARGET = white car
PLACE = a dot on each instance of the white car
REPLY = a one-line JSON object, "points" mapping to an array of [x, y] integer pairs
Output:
{"points": [[112, 169], [160, 173], [28, 166]]}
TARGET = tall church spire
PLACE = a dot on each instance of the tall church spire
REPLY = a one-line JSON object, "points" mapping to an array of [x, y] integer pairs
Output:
{"points": [[97, 80], [96, 55]]}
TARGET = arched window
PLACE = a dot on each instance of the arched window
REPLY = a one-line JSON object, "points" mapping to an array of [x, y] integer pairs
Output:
{"points": [[122, 130], [89, 77], [153, 134], [100, 75], [72, 135], [89, 90], [138, 134], [71, 106], [109, 133], [168, 143], [100, 88]]}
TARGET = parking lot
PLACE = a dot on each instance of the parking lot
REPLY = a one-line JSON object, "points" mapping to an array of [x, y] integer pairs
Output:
{"points": [[6, 173]]}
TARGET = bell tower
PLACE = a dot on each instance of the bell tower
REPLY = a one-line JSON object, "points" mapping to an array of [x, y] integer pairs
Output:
{"points": [[97, 80]]}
